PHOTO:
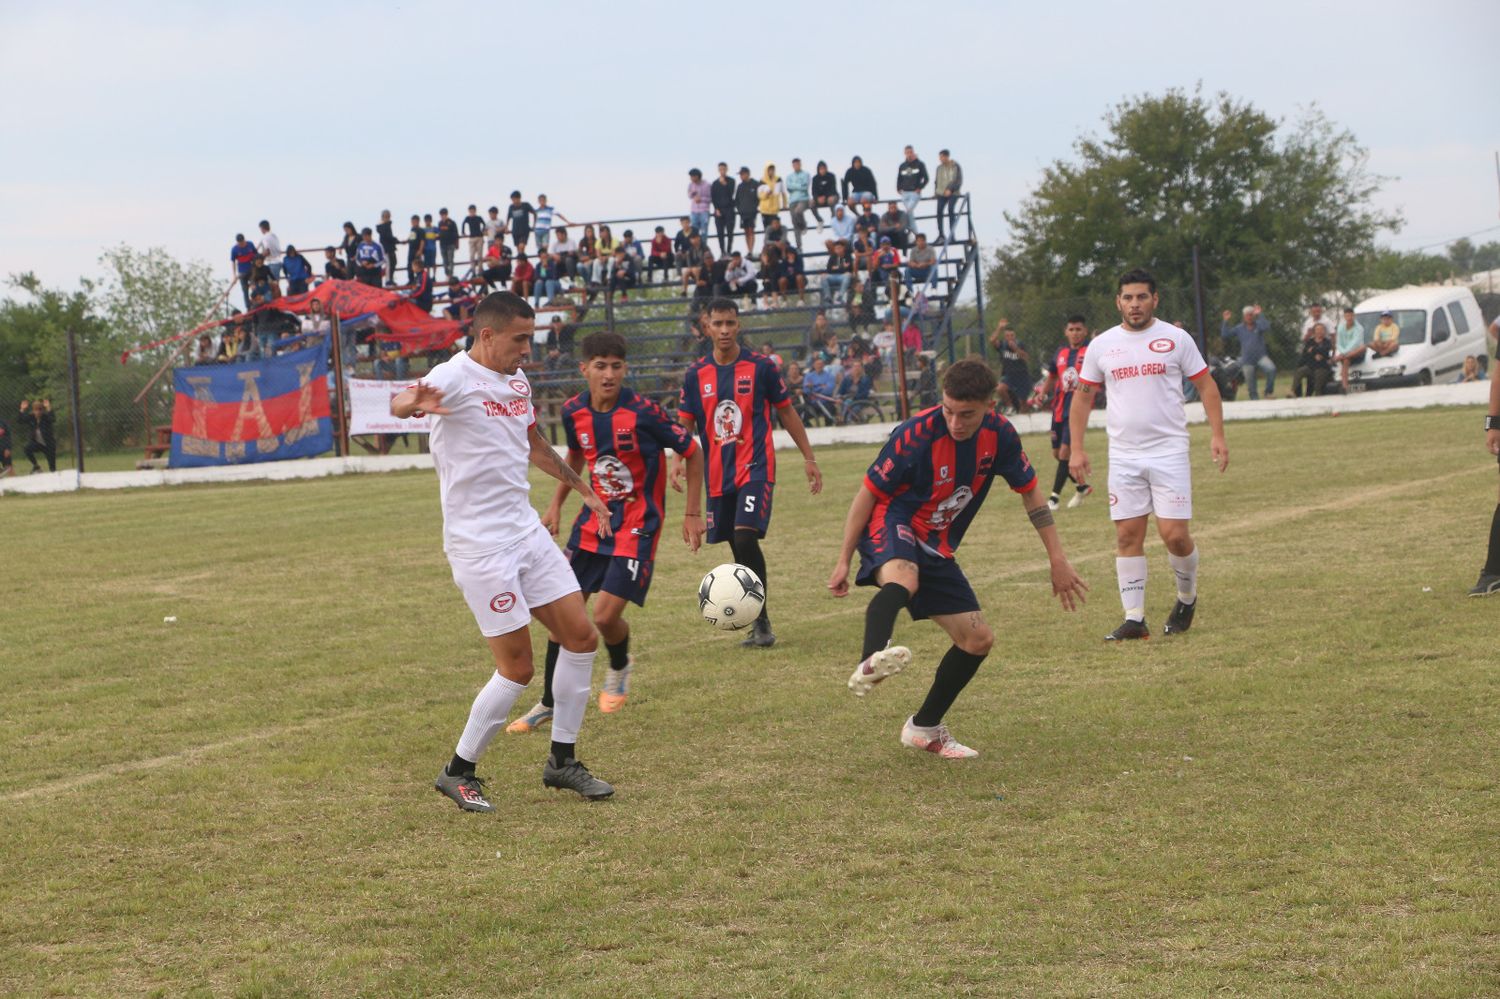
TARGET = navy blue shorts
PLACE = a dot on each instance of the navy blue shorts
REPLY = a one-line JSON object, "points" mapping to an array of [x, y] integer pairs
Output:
{"points": [[1060, 433], [627, 578], [942, 587], [747, 508]]}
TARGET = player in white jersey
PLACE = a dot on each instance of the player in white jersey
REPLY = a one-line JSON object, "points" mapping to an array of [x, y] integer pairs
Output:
{"points": [[503, 559], [1142, 363]]}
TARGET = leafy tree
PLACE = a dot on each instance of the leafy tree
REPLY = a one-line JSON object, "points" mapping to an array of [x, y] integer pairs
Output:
{"points": [[1461, 253], [147, 295]]}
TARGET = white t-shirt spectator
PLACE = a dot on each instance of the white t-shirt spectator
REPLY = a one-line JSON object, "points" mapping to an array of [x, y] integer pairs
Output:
{"points": [[885, 342], [482, 453], [1142, 373], [1329, 326], [270, 247], [562, 244]]}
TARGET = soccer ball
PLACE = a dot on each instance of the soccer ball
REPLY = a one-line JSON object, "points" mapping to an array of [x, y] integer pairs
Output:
{"points": [[731, 596]]}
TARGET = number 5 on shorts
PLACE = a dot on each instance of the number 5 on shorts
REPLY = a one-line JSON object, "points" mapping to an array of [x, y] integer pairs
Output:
{"points": [[749, 502]]}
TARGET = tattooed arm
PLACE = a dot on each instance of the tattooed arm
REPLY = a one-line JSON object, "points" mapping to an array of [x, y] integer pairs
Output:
{"points": [[545, 457]]}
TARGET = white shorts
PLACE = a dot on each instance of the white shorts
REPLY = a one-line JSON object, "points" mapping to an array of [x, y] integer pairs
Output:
{"points": [[1162, 485], [502, 586]]}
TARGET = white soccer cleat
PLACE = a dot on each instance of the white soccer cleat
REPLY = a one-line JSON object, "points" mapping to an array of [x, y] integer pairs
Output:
{"points": [[1079, 497], [886, 662], [936, 740], [1052, 502]]}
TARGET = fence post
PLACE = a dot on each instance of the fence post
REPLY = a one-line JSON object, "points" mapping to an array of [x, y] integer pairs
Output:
{"points": [[77, 405], [1198, 304], [984, 329], [901, 401], [341, 442]]}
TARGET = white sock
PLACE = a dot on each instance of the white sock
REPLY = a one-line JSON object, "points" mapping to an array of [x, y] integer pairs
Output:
{"points": [[1130, 572], [488, 715], [1186, 569], [570, 693]]}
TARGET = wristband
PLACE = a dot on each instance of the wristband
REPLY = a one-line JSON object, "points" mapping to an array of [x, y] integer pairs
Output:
{"points": [[1492, 423]]}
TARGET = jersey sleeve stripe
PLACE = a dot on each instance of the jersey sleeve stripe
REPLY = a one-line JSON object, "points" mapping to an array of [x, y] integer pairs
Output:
{"points": [[870, 485], [1200, 371], [1088, 381]]}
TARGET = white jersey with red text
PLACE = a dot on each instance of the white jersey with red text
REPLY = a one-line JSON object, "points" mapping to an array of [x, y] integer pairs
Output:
{"points": [[1142, 374], [482, 453]]}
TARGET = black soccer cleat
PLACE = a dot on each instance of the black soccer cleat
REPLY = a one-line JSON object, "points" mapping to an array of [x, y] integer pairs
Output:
{"points": [[466, 790], [1128, 630], [574, 776], [1181, 618], [761, 636], [1488, 585]]}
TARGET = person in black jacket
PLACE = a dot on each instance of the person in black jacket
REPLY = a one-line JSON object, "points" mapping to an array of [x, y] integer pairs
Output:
{"points": [[825, 190], [859, 183], [911, 178], [5, 450], [421, 282], [721, 193], [386, 237], [747, 204], [447, 240], [349, 246], [474, 232], [37, 423]]}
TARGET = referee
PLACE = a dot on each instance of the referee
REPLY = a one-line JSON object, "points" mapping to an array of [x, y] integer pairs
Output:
{"points": [[1489, 576]]}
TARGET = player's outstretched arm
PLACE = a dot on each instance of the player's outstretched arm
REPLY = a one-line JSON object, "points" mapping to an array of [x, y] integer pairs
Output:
{"points": [[1078, 424], [793, 424], [552, 518], [1213, 408], [1067, 586], [420, 398], [854, 526], [544, 456], [692, 517]]}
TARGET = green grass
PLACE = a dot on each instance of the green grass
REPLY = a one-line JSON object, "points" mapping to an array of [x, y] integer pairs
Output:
{"points": [[1298, 798]]}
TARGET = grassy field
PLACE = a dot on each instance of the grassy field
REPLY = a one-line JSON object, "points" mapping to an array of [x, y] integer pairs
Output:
{"points": [[1298, 798]]}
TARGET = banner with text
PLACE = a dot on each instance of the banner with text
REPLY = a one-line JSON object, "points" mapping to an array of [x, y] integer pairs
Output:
{"points": [[370, 409], [231, 414]]}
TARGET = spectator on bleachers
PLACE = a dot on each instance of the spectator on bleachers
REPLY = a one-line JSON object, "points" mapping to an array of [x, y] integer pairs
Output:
{"points": [[522, 276], [518, 220], [746, 205], [349, 246], [770, 275], [369, 259], [588, 243], [606, 246], [242, 259], [473, 230], [416, 243], [911, 340], [660, 257], [721, 194], [825, 191], [691, 261], [298, 271], [821, 339], [622, 273], [794, 271], [1015, 366], [494, 226], [333, 267], [205, 353], [1349, 346], [715, 274], [565, 252], [260, 280], [894, 224], [385, 235], [447, 240], [887, 264], [497, 264], [769, 349], [885, 342], [862, 299], [799, 198], [842, 226], [633, 250], [911, 178], [315, 321], [545, 214], [680, 238], [235, 343], [775, 235], [859, 183], [262, 328], [1386, 338], [854, 387], [700, 200], [926, 381], [739, 277], [1251, 333], [794, 377], [820, 392], [269, 247], [429, 242], [948, 184], [868, 222], [420, 282], [836, 273], [920, 264], [862, 254], [461, 301], [1316, 366], [771, 195], [547, 281]]}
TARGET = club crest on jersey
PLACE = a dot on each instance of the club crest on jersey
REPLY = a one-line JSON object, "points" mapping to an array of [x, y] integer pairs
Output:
{"points": [[727, 421], [904, 533], [1070, 378], [612, 478], [708, 387], [742, 384], [1163, 345], [951, 507], [624, 439], [585, 440], [520, 386]]}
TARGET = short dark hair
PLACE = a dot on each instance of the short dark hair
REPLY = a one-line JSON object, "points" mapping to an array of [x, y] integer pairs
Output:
{"points": [[239, 236], [1138, 275], [1078, 318], [515, 194], [264, 223], [501, 308], [944, 152], [695, 172], [969, 380], [604, 343], [721, 304]]}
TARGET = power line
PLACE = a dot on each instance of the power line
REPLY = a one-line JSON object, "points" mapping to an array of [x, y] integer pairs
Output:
{"points": [[1454, 239]]}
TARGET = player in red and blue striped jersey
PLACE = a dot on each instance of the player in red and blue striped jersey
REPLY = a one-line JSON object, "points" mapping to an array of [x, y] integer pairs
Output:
{"points": [[729, 397], [907, 520], [1062, 381], [622, 438]]}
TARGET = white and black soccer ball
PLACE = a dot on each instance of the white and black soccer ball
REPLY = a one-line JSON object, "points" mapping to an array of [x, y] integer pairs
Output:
{"points": [[731, 597]]}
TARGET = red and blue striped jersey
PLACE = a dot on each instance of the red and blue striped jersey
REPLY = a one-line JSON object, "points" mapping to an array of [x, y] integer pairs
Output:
{"points": [[925, 478], [624, 451], [1065, 368], [731, 404]]}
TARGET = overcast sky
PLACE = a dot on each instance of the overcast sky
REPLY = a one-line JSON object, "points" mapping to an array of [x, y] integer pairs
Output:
{"points": [[177, 125]]}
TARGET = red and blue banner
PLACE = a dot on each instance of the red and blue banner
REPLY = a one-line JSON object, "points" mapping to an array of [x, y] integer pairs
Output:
{"points": [[268, 410]]}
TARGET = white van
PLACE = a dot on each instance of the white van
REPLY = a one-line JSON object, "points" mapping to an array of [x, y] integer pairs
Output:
{"points": [[1440, 326]]}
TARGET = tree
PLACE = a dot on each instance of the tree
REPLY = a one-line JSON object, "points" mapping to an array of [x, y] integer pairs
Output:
{"points": [[147, 295], [1286, 208], [1461, 253]]}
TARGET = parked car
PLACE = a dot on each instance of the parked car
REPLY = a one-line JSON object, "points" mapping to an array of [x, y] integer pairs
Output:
{"points": [[1440, 326]]}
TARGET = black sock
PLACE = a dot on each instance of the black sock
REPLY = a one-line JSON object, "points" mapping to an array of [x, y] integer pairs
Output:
{"points": [[619, 655], [1492, 564], [880, 617], [953, 674], [553, 648], [1061, 477], [459, 765], [562, 752], [746, 548]]}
